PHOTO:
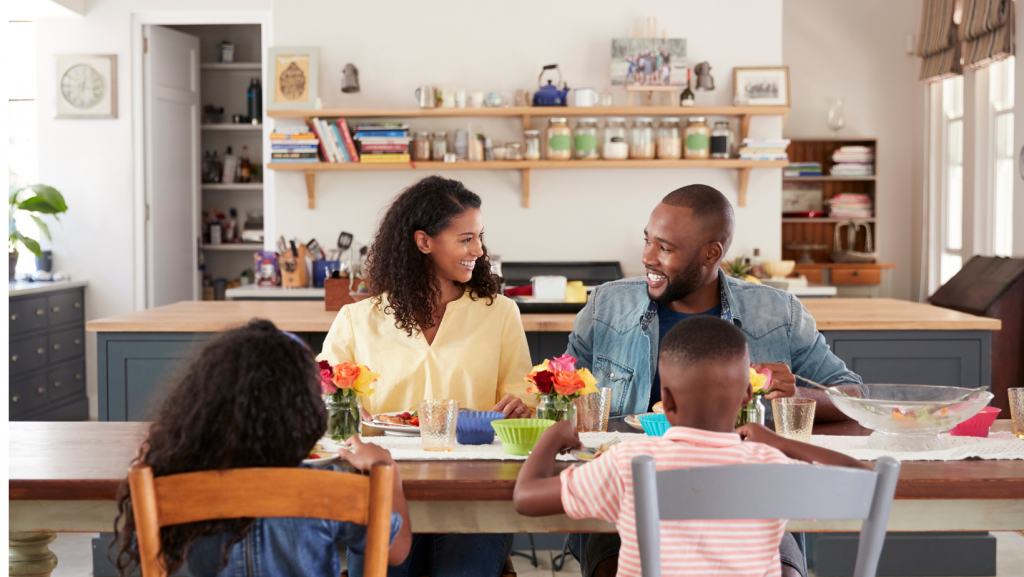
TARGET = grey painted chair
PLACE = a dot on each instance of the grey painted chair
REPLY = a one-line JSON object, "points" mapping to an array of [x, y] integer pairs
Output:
{"points": [[724, 492]]}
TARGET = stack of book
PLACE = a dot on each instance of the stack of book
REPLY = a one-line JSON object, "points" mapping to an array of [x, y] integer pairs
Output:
{"points": [[293, 144], [850, 205], [383, 142], [335, 141], [797, 169], [764, 149], [854, 161]]}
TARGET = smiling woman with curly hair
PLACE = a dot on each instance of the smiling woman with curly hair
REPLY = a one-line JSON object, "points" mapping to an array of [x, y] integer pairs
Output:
{"points": [[436, 327]]}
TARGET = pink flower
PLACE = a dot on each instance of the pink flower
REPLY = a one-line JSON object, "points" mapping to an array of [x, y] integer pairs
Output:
{"points": [[563, 363], [326, 385]]}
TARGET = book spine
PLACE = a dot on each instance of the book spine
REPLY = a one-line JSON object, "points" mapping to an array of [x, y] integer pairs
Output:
{"points": [[305, 136], [320, 139], [293, 155], [342, 149], [335, 153], [384, 158], [386, 148], [348, 139], [380, 133]]}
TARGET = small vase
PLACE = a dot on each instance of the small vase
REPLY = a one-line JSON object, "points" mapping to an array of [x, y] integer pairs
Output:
{"points": [[753, 412], [13, 259], [556, 408], [343, 418]]}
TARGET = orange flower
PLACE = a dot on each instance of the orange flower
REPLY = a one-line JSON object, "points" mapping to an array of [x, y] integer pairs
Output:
{"points": [[567, 382], [345, 374]]}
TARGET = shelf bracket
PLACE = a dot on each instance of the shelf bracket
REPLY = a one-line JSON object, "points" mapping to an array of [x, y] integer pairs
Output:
{"points": [[744, 127], [526, 186], [744, 180], [311, 188]]}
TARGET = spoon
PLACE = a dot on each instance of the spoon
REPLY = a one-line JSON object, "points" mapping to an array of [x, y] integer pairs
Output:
{"points": [[820, 386]]}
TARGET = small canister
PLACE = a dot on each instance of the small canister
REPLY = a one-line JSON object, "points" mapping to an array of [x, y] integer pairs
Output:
{"points": [[615, 145], [670, 141], [641, 142], [721, 140], [421, 146], [513, 151], [439, 145], [585, 139], [558, 138], [697, 139], [531, 145]]}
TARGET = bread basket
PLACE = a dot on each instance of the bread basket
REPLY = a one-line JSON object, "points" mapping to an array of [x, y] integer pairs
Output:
{"points": [[850, 255]]}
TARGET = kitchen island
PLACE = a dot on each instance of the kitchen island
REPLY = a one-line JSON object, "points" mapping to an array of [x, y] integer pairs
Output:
{"points": [[883, 340]]}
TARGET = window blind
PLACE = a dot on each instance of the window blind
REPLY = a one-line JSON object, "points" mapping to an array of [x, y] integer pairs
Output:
{"points": [[938, 44], [986, 30]]}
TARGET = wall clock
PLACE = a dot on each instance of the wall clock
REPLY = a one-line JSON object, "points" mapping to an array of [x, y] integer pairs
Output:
{"points": [[86, 86]]}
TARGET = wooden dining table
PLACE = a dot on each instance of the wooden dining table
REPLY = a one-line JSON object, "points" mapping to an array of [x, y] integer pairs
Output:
{"points": [[64, 478]]}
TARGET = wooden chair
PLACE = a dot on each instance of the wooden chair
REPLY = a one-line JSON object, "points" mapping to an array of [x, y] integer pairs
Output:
{"points": [[727, 492], [262, 492]]}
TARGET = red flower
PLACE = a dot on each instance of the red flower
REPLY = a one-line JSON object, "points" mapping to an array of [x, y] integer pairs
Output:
{"points": [[325, 366], [543, 381]]}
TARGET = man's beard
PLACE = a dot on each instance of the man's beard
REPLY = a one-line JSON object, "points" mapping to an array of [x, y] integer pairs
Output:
{"points": [[681, 286]]}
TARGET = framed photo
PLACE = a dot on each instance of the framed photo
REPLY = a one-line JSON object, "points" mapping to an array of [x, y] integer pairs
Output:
{"points": [[761, 86], [86, 86], [648, 62], [293, 81]]}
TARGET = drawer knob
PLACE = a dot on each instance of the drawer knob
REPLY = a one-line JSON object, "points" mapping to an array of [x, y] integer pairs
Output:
{"points": [[78, 341], [14, 358], [40, 351], [856, 273], [41, 390], [14, 317], [78, 376], [40, 312], [55, 309], [56, 384], [15, 399], [56, 346], [78, 305]]}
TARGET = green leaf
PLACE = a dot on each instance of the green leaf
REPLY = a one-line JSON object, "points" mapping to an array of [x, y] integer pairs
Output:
{"points": [[42, 226], [37, 204], [50, 195], [30, 244]]}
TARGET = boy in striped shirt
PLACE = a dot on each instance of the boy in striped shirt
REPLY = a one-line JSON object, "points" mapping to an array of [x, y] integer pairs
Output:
{"points": [[705, 380]]}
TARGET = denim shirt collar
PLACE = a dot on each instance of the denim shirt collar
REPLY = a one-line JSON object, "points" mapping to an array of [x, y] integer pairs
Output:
{"points": [[725, 294]]}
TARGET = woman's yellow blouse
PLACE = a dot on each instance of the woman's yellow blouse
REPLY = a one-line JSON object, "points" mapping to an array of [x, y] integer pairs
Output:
{"points": [[478, 355]]}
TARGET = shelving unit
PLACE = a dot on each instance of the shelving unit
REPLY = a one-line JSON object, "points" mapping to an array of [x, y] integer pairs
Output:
{"points": [[234, 246], [231, 66], [253, 186], [233, 127], [526, 114]]}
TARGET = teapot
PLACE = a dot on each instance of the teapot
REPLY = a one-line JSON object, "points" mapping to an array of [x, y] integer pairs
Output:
{"points": [[550, 95]]}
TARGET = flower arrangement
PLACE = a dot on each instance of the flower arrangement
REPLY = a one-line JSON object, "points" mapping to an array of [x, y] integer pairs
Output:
{"points": [[557, 382], [342, 385], [753, 412]]}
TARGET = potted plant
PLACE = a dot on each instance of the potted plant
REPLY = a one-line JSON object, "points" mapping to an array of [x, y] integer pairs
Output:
{"points": [[43, 200]]}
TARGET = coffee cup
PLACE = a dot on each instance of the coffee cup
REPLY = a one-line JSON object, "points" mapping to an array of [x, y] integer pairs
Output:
{"points": [[585, 97], [425, 96]]}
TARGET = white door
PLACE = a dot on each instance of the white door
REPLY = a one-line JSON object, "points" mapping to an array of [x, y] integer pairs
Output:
{"points": [[172, 156]]}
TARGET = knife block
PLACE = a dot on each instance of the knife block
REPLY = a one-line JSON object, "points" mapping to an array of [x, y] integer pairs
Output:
{"points": [[336, 292]]}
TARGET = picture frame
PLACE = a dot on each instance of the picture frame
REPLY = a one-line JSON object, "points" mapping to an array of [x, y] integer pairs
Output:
{"points": [[648, 62], [294, 78], [86, 86], [761, 86]]}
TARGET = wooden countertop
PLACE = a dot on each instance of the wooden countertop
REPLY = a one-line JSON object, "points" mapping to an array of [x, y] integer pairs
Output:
{"points": [[838, 314], [87, 461]]}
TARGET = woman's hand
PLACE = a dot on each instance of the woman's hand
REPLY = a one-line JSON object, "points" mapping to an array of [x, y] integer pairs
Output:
{"points": [[362, 455], [783, 381], [513, 407]]}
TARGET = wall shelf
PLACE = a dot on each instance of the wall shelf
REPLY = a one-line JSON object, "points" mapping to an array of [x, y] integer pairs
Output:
{"points": [[225, 126], [825, 220], [309, 169], [231, 66], [828, 178], [255, 186], [234, 246]]}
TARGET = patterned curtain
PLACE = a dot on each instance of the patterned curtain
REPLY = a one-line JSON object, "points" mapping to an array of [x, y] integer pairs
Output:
{"points": [[938, 44], [986, 30]]}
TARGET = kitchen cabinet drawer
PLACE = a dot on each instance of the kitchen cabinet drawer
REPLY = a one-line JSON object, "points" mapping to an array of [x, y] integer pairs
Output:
{"points": [[27, 395], [870, 276], [27, 315], [27, 355], [66, 380], [66, 308], [67, 345]]}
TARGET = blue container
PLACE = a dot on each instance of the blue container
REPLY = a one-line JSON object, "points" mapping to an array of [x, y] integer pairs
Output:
{"points": [[474, 427], [323, 269], [654, 425]]}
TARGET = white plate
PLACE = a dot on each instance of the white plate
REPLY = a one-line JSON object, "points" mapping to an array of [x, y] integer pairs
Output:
{"points": [[325, 459], [403, 430], [632, 421]]}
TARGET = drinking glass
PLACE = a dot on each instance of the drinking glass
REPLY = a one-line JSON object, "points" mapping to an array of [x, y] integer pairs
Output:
{"points": [[592, 411], [438, 418], [1017, 411], [794, 418], [836, 115]]}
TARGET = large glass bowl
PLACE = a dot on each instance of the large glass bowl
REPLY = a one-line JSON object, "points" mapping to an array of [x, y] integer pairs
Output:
{"points": [[907, 417]]}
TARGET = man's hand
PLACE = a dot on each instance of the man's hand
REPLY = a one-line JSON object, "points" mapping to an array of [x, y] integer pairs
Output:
{"points": [[563, 436], [513, 407], [759, 434], [783, 381], [362, 455]]}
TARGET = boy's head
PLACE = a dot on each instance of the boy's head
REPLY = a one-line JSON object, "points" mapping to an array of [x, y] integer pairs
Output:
{"points": [[705, 376]]}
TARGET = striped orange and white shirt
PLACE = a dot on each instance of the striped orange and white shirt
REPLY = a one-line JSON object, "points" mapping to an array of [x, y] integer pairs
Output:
{"points": [[603, 489]]}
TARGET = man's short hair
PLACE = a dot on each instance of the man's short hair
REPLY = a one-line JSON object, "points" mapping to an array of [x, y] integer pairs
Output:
{"points": [[703, 338], [709, 206]]}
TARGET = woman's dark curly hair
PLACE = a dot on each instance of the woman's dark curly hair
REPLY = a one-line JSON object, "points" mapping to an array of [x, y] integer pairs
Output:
{"points": [[396, 266], [249, 398]]}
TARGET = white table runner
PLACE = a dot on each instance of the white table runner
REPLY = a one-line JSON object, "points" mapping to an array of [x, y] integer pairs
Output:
{"points": [[1000, 445], [411, 448]]}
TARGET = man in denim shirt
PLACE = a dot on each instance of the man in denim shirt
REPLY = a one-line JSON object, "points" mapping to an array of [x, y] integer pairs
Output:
{"points": [[616, 335]]}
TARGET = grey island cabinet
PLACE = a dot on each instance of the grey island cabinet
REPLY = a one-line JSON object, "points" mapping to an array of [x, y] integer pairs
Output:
{"points": [[46, 358], [883, 340]]}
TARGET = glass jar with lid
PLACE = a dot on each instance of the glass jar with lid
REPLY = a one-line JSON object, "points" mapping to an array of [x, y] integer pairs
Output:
{"points": [[721, 140], [641, 141], [585, 139], [697, 139], [615, 146], [531, 145], [513, 151], [558, 139], [670, 141], [421, 146], [439, 145]]}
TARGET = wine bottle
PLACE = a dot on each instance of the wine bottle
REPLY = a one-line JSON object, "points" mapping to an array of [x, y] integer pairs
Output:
{"points": [[244, 166], [254, 96], [686, 98]]}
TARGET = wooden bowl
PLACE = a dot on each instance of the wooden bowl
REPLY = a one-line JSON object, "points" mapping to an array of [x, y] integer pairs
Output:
{"points": [[779, 269]]}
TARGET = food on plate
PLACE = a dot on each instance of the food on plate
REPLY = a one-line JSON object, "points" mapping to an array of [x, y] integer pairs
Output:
{"points": [[406, 419], [658, 408]]}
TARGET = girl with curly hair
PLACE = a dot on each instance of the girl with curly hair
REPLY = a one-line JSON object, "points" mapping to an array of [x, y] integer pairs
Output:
{"points": [[251, 398], [436, 327]]}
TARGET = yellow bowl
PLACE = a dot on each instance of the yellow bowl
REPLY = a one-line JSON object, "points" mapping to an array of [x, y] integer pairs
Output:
{"points": [[779, 269]]}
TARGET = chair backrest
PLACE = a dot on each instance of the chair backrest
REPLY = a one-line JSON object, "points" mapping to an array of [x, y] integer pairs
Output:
{"points": [[725, 492], [261, 492]]}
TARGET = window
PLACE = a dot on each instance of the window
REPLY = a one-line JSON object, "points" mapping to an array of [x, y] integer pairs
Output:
{"points": [[19, 62], [1001, 98], [953, 177]]}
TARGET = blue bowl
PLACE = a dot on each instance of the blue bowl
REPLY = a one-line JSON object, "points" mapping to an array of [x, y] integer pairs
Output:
{"points": [[474, 427], [654, 425]]}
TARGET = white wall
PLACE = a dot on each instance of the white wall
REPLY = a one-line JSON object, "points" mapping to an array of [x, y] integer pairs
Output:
{"points": [[593, 214], [90, 161], [856, 49]]}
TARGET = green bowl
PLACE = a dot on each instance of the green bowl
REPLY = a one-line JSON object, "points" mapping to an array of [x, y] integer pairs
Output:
{"points": [[519, 436]]}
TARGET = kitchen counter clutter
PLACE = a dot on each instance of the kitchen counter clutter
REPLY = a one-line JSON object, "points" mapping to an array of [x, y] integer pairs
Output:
{"points": [[22, 288]]}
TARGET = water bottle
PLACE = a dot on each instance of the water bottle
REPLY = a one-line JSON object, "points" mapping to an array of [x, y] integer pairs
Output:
{"points": [[255, 97]]}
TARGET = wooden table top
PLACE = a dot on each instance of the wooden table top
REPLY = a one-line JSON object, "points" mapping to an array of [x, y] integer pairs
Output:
{"points": [[310, 316], [87, 461]]}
